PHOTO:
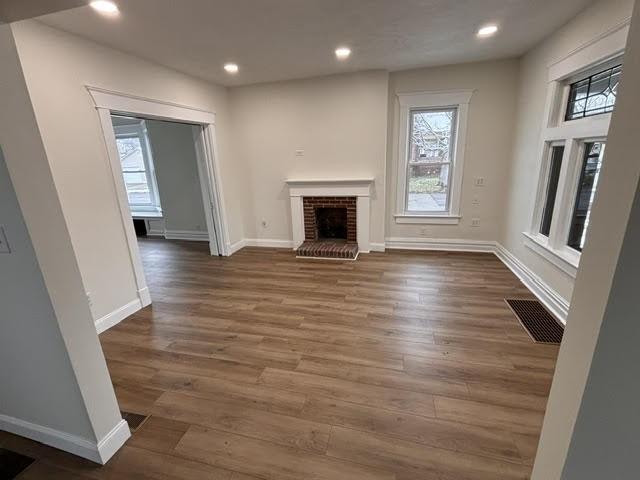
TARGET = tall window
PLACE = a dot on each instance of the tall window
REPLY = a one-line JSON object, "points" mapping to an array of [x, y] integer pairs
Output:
{"points": [[555, 164], [589, 174], [430, 158], [574, 136], [137, 167], [431, 141]]}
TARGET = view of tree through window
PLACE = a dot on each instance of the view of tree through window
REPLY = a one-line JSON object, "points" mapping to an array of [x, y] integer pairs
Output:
{"points": [[430, 151], [134, 170]]}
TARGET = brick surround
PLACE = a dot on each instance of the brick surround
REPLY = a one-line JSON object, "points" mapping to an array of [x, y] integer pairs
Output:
{"points": [[309, 210]]}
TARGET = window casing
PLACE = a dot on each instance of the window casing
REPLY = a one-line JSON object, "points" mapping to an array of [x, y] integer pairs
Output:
{"points": [[137, 168], [430, 157], [573, 145]]}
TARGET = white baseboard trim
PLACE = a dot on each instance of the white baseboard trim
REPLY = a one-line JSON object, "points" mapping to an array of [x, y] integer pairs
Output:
{"points": [[145, 297], [556, 304], [113, 441], [120, 314], [275, 243], [234, 247], [441, 244], [268, 243], [186, 235], [377, 247], [82, 447]]}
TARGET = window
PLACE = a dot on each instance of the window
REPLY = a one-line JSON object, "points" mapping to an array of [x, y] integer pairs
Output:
{"points": [[431, 156], [590, 171], [594, 95], [137, 167], [555, 163], [572, 156]]}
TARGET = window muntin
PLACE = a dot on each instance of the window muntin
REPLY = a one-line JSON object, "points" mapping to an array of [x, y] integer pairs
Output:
{"points": [[555, 166], [430, 158], [589, 175], [593, 95]]}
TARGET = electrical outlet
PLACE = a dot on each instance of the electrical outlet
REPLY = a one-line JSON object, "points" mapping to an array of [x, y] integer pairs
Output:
{"points": [[89, 300], [4, 244], [263, 223], [299, 153], [476, 201], [475, 222], [479, 181]]}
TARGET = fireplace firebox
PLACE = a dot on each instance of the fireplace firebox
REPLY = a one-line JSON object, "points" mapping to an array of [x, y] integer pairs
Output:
{"points": [[329, 227]]}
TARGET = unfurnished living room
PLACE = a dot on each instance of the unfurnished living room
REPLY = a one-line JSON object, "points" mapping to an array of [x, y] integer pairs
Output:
{"points": [[319, 239]]}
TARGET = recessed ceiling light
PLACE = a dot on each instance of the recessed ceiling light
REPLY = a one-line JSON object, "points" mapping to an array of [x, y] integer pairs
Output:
{"points": [[343, 53], [105, 7], [487, 30], [231, 67]]}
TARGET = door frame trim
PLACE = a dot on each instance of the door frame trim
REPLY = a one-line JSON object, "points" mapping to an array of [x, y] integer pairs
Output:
{"points": [[109, 102]]}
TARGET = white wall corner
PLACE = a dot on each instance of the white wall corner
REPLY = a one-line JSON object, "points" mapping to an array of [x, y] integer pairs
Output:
{"points": [[111, 319], [551, 299], [99, 452], [234, 247], [113, 441], [377, 247]]}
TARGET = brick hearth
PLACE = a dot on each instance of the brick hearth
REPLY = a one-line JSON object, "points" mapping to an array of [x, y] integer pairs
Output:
{"points": [[328, 249]]}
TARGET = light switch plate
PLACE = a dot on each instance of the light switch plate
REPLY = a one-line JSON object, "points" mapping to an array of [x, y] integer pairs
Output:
{"points": [[4, 244]]}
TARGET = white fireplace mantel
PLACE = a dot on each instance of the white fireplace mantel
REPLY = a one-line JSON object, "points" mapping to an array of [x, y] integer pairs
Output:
{"points": [[353, 187]]}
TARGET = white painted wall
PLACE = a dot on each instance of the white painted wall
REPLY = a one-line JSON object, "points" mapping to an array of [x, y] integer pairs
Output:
{"points": [[590, 431], [29, 324], [57, 67], [57, 389], [522, 180], [488, 145], [338, 121], [174, 157]]}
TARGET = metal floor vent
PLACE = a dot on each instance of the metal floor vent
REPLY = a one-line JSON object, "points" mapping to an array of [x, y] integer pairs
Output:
{"points": [[135, 420], [541, 326], [12, 464]]}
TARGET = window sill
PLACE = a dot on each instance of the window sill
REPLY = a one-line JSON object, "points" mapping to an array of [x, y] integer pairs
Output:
{"points": [[146, 214], [566, 262], [428, 219]]}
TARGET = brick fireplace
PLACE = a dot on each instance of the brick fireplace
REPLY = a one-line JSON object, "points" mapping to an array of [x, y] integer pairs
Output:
{"points": [[320, 211], [330, 218], [330, 227]]}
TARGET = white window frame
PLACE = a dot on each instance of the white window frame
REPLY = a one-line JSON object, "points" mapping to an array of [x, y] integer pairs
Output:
{"points": [[574, 134], [139, 130], [459, 100]]}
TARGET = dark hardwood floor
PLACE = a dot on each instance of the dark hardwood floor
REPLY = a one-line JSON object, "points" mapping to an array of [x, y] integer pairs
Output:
{"points": [[402, 365]]}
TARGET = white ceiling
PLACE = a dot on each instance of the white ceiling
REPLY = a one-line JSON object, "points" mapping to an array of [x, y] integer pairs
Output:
{"points": [[284, 39]]}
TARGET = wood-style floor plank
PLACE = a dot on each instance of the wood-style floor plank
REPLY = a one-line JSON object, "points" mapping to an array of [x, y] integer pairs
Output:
{"points": [[268, 460], [228, 416], [371, 395], [399, 366], [415, 461]]}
